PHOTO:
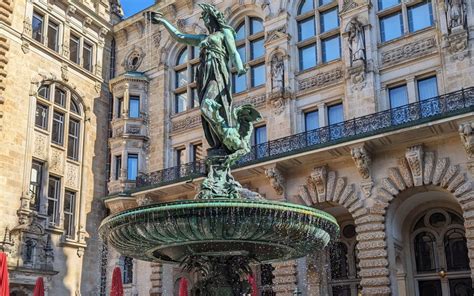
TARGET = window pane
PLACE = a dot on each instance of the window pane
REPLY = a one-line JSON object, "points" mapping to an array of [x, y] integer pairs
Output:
{"points": [[456, 250], [59, 97], [335, 114], [425, 252], [181, 78], [305, 6], [118, 166], [180, 156], [338, 259], [240, 32], [391, 27], [329, 20], [37, 27], [398, 96], [260, 135], [306, 29], [132, 167], [331, 49], [119, 107], [41, 116], [35, 184], [256, 26], [74, 49], [87, 56], [134, 110], [307, 56], [58, 128], [180, 102], [427, 88], [311, 120], [195, 51], [324, 2], [387, 3], [239, 83], [195, 98], [257, 49], [461, 286], [73, 106], [54, 193], [258, 75], [182, 57], [73, 139], [242, 53], [53, 34], [69, 211], [44, 92], [420, 16]]}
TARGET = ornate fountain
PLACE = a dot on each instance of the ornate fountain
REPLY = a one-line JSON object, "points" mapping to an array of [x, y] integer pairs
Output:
{"points": [[226, 227]]}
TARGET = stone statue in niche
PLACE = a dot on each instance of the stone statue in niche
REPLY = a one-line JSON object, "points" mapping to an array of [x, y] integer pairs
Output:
{"points": [[356, 41], [278, 73], [456, 13]]}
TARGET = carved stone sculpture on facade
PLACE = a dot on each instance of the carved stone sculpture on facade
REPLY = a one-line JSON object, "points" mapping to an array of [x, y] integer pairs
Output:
{"points": [[277, 181], [456, 14], [467, 137], [278, 73], [356, 41]]}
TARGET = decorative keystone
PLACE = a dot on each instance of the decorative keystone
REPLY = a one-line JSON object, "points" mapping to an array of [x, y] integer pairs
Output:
{"points": [[414, 156], [277, 180]]}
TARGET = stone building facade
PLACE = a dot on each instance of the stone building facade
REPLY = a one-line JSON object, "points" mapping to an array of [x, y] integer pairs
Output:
{"points": [[54, 62], [367, 114]]}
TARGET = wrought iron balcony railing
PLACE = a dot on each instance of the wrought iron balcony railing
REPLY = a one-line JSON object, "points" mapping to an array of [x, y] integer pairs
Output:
{"points": [[442, 106]]}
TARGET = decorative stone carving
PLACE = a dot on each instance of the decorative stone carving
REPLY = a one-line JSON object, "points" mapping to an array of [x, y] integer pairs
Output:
{"points": [[277, 180], [321, 79], [27, 26], [64, 72], [134, 59], [257, 101], [457, 43], [456, 14], [275, 34], [143, 200], [86, 23], [278, 73], [278, 104], [429, 162], [414, 156], [348, 5], [185, 124], [362, 160], [356, 40], [409, 51], [72, 176], [40, 146], [157, 38], [56, 162], [319, 177]]}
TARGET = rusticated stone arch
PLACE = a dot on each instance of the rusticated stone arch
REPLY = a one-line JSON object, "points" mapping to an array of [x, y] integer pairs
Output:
{"points": [[416, 168], [326, 186]]}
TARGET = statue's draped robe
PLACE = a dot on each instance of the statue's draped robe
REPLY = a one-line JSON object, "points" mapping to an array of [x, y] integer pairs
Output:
{"points": [[214, 83]]}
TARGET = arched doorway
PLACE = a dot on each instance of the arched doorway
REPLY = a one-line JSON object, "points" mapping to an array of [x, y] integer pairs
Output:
{"points": [[427, 247]]}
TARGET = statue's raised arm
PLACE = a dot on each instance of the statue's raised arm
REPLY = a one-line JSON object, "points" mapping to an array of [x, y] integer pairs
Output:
{"points": [[156, 17]]}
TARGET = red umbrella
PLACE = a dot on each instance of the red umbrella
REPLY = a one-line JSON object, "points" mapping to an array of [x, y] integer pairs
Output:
{"points": [[39, 287], [117, 287], [253, 284], [4, 289], [183, 287]]}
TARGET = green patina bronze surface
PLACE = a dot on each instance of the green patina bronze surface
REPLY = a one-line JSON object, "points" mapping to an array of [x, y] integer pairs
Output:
{"points": [[227, 129], [226, 227]]}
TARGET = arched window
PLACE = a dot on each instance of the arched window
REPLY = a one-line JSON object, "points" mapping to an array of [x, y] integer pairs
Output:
{"points": [[185, 95], [318, 33], [61, 115], [425, 252], [455, 247], [126, 265], [250, 45]]}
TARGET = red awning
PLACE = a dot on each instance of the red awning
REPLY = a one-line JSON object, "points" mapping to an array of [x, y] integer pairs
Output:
{"points": [[253, 285], [183, 287], [117, 287], [4, 288], [39, 287]]}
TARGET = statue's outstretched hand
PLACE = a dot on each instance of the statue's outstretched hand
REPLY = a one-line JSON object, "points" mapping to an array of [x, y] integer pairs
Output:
{"points": [[155, 17]]}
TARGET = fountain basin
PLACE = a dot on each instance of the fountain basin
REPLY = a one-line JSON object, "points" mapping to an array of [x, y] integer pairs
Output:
{"points": [[263, 230]]}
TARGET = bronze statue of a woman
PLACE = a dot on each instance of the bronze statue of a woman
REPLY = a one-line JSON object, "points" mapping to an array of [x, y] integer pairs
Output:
{"points": [[227, 129]]}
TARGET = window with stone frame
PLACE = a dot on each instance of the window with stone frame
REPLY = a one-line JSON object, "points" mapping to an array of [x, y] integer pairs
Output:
{"points": [[398, 18], [69, 211], [126, 265], [343, 276], [36, 184], [250, 41], [318, 38], [185, 93], [46, 30], [53, 200], [66, 115]]}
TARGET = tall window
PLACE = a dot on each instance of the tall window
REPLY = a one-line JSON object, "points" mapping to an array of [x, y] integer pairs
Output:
{"points": [[126, 264], [250, 45], [134, 108], [180, 156], [318, 33], [118, 166], [69, 213], [335, 116], [311, 120], [36, 178], [37, 25], [57, 136], [427, 88], [260, 140], [87, 53], [132, 166], [185, 79], [392, 21], [119, 107], [54, 194], [53, 35], [398, 97], [41, 116], [74, 49], [73, 139]]}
